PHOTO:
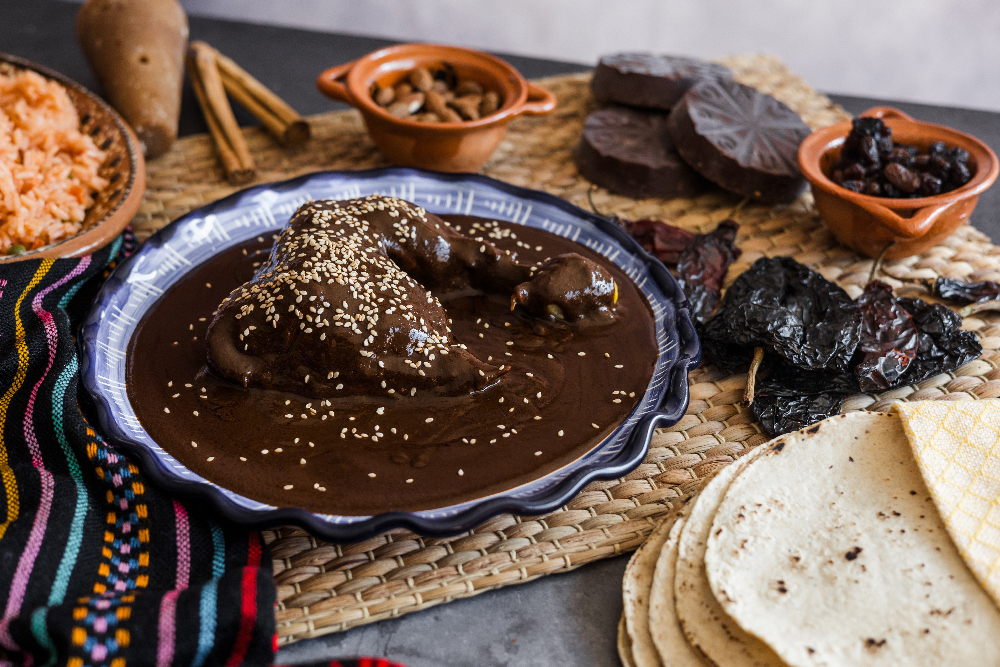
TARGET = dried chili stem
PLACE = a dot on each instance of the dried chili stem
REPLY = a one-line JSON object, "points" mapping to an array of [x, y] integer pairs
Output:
{"points": [[738, 208], [590, 198], [878, 261], [992, 304], [758, 356]]}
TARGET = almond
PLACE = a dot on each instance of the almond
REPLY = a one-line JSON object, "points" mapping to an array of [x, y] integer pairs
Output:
{"points": [[421, 79]]}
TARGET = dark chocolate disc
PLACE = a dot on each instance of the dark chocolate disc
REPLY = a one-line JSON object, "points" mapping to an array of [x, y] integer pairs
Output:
{"points": [[740, 138], [650, 81], [629, 151]]}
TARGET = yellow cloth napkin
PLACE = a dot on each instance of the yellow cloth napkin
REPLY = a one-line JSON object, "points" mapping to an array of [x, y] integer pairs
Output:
{"points": [[957, 446]]}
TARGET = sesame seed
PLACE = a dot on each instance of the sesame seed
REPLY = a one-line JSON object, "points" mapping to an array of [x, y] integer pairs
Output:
{"points": [[210, 459], [619, 366], [243, 458], [538, 417], [194, 444], [371, 474], [263, 451], [594, 425], [582, 354], [538, 453], [278, 450], [560, 433], [194, 412], [302, 462], [616, 400], [429, 420], [460, 472], [167, 410], [171, 383], [288, 487]]}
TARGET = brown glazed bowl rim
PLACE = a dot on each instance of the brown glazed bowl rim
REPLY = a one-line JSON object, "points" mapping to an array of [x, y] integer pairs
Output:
{"points": [[822, 141], [100, 233], [358, 77]]}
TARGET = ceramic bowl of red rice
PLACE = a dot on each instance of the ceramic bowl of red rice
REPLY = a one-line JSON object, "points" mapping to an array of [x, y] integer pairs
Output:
{"points": [[71, 172]]}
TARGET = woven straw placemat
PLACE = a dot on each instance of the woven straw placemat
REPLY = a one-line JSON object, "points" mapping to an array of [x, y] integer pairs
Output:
{"points": [[325, 587]]}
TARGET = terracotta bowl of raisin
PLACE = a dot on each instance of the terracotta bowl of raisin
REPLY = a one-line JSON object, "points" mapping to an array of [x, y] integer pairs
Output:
{"points": [[888, 182], [432, 106]]}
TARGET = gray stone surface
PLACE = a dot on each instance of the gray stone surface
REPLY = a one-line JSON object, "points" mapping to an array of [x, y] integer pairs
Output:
{"points": [[567, 619]]}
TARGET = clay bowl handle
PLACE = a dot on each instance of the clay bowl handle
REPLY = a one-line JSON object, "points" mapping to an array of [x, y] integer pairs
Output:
{"points": [[886, 112], [331, 83], [540, 101], [917, 225]]}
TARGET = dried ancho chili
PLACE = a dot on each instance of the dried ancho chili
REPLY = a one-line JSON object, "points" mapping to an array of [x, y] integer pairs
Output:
{"points": [[794, 313], [889, 339], [980, 296], [790, 399], [701, 260], [943, 345], [956, 290], [660, 239], [820, 346], [702, 267]]}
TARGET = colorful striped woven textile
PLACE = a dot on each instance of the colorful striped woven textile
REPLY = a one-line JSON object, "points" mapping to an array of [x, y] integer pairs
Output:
{"points": [[97, 567]]}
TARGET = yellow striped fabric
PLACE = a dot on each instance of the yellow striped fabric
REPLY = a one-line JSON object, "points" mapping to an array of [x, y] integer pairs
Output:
{"points": [[957, 446]]}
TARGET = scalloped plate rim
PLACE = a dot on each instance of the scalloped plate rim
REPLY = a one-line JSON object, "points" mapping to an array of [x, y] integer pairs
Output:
{"points": [[672, 405]]}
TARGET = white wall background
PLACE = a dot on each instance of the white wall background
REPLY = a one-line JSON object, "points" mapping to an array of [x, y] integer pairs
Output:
{"points": [[934, 51]]}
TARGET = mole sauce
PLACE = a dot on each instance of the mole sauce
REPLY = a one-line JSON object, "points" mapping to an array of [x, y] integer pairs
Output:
{"points": [[359, 455]]}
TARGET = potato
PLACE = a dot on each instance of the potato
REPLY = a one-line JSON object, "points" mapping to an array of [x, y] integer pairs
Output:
{"points": [[136, 48]]}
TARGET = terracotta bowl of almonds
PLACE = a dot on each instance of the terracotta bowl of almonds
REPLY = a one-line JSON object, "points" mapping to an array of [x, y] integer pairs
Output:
{"points": [[900, 191], [435, 107]]}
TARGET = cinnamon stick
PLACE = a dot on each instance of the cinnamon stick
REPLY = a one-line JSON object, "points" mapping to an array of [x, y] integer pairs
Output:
{"points": [[280, 119], [225, 131]]}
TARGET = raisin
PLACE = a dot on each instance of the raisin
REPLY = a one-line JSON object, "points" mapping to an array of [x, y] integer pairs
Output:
{"points": [[872, 188], [901, 156], [902, 178], [869, 151], [958, 173], [937, 148], [938, 166], [929, 185], [854, 172], [957, 154], [853, 186]]}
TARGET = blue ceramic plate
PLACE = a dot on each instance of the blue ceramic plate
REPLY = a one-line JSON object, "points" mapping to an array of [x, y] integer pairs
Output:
{"points": [[166, 257]]}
